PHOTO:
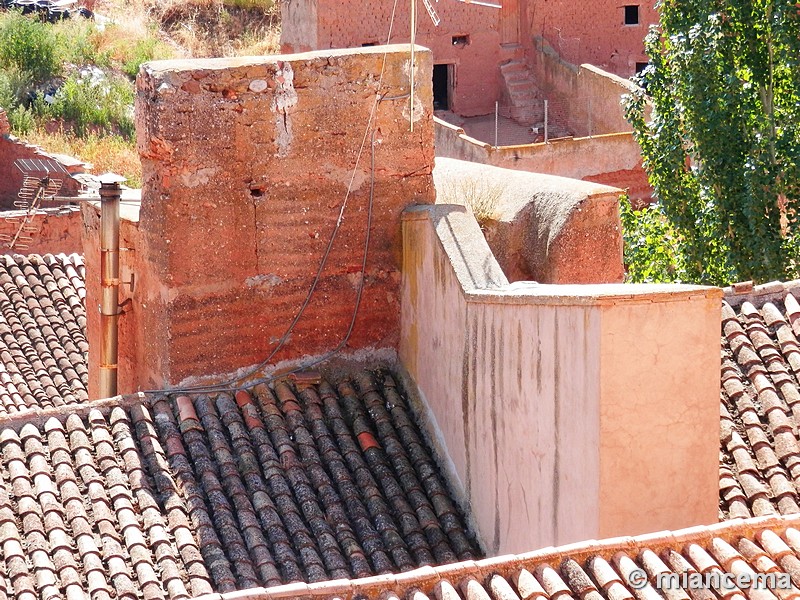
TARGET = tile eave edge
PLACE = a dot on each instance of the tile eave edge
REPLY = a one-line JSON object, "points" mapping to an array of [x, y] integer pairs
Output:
{"points": [[504, 565], [38, 416]]}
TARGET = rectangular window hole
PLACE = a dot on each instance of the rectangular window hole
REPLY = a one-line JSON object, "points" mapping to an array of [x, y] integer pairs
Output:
{"points": [[632, 14], [460, 40]]}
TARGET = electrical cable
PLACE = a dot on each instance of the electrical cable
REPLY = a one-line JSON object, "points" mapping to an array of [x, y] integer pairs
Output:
{"points": [[238, 381]]}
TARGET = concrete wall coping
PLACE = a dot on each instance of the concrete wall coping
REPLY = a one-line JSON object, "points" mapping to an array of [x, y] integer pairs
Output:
{"points": [[473, 261], [603, 294], [482, 280], [179, 65], [621, 81]]}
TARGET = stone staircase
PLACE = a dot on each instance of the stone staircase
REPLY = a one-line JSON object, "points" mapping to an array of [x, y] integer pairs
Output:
{"points": [[522, 100]]}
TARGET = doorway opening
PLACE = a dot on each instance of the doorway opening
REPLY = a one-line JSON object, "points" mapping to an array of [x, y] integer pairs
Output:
{"points": [[442, 84]]}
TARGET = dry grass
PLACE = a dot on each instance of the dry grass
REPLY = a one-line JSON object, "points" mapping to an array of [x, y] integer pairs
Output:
{"points": [[106, 153], [482, 197], [201, 28], [152, 29]]}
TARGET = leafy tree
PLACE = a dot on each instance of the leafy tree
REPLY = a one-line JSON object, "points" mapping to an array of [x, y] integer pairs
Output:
{"points": [[722, 143], [653, 249]]}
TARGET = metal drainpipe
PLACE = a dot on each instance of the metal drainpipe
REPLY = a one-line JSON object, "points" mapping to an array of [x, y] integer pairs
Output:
{"points": [[110, 192]]}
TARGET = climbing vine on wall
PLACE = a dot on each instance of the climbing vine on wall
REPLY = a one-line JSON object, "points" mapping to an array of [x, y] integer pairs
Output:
{"points": [[718, 121]]}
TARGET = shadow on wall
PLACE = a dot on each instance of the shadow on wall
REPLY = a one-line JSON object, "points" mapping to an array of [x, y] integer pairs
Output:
{"points": [[540, 227]]}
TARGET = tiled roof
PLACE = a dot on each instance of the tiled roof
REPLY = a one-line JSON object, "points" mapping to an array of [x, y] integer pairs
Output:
{"points": [[760, 401], [217, 493], [42, 332], [594, 570]]}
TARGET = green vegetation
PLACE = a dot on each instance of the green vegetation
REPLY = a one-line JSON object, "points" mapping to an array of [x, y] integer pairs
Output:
{"points": [[722, 149], [44, 77], [28, 46], [653, 248], [69, 86]]}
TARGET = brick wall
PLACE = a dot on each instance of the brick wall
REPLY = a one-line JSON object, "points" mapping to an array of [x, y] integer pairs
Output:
{"points": [[56, 231], [245, 165]]}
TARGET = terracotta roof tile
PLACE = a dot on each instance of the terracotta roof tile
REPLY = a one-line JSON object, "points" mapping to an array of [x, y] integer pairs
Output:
{"points": [[595, 570], [201, 494], [760, 403], [43, 344]]}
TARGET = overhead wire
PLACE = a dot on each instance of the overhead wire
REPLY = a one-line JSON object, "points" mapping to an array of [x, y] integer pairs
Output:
{"points": [[239, 381]]}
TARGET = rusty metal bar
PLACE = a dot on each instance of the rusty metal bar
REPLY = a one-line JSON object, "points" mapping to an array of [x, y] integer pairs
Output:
{"points": [[110, 193]]}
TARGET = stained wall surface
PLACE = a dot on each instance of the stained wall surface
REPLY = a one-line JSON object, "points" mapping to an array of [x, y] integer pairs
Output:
{"points": [[563, 408], [246, 165]]}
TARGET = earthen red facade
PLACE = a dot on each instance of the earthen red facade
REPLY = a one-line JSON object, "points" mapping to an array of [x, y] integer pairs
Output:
{"points": [[473, 40], [246, 164]]}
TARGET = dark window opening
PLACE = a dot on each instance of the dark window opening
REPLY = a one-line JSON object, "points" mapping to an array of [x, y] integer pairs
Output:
{"points": [[441, 87], [460, 40], [366, 44], [641, 66], [632, 14]]}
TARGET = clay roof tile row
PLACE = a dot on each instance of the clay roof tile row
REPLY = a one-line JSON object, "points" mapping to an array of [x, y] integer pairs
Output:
{"points": [[43, 346], [606, 570], [215, 493], [760, 403]]}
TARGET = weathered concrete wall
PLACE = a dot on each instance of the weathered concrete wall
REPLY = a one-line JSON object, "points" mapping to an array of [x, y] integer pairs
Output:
{"points": [[11, 178], [542, 228], [594, 32], [476, 80], [611, 159], [246, 163], [590, 96], [547, 391], [57, 231], [660, 371]]}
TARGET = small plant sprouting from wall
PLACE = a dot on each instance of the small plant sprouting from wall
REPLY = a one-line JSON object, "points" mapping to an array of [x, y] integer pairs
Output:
{"points": [[481, 196]]}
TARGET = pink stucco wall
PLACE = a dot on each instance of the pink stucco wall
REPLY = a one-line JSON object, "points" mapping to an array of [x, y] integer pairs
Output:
{"points": [[563, 408], [658, 423], [612, 159]]}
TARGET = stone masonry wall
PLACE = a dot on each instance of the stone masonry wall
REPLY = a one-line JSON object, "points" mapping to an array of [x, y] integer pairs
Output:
{"points": [[245, 164]]}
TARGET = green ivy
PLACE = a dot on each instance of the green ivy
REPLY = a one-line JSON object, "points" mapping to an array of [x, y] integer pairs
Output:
{"points": [[718, 122]]}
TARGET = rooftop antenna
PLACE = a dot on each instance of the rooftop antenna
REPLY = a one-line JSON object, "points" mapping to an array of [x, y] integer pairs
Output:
{"points": [[42, 179]]}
